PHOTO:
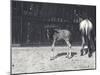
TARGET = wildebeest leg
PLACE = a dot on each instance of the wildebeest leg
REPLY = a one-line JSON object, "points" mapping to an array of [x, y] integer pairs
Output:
{"points": [[52, 49], [69, 48], [83, 43], [90, 50], [53, 44], [90, 45]]}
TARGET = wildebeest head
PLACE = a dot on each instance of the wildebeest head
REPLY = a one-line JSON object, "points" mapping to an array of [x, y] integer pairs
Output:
{"points": [[50, 33]]}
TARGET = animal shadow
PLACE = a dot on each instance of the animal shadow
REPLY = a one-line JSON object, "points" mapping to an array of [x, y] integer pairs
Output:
{"points": [[62, 54]]}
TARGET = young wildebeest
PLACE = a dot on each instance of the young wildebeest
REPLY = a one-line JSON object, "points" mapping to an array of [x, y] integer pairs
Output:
{"points": [[59, 34], [86, 28]]}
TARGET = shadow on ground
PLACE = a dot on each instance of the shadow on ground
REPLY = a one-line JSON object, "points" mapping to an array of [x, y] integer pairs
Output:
{"points": [[62, 54]]}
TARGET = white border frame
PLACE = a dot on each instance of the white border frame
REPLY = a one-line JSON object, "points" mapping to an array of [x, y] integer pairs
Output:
{"points": [[5, 36]]}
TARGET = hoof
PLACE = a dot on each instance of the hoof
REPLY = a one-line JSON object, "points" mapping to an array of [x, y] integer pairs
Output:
{"points": [[52, 58], [90, 55], [81, 52], [69, 57], [84, 52]]}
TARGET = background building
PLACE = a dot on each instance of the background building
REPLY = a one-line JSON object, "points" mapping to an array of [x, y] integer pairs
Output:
{"points": [[30, 20]]}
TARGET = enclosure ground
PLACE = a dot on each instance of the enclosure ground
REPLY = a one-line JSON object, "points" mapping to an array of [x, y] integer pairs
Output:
{"points": [[37, 59]]}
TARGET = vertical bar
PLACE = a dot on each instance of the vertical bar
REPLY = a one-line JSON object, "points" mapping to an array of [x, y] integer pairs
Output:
{"points": [[21, 23]]}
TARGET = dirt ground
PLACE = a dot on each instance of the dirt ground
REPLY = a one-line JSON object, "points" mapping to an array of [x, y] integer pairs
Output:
{"points": [[37, 59]]}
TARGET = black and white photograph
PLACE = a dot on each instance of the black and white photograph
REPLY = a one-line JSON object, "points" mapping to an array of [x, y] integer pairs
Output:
{"points": [[52, 37]]}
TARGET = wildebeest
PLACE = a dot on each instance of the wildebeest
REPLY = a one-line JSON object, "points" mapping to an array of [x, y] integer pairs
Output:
{"points": [[60, 34], [86, 28]]}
